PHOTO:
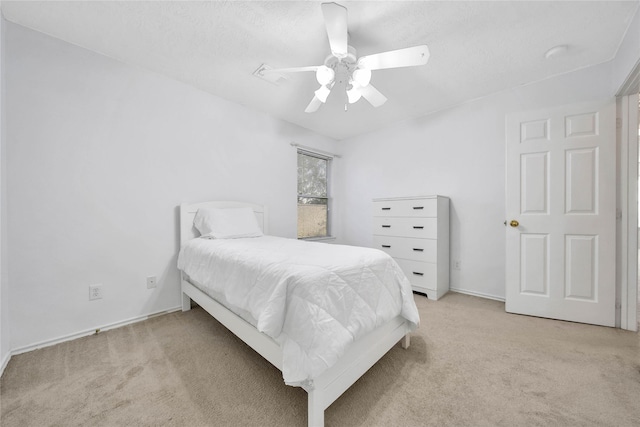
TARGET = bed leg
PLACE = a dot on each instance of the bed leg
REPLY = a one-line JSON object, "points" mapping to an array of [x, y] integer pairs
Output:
{"points": [[186, 302], [315, 411], [405, 341]]}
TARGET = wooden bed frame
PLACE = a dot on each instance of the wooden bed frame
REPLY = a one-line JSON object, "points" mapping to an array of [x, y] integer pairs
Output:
{"points": [[326, 388]]}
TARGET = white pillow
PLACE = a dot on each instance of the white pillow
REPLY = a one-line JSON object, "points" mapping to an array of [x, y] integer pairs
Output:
{"points": [[229, 223]]}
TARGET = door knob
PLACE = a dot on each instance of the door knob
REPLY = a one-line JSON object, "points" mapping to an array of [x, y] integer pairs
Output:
{"points": [[514, 223]]}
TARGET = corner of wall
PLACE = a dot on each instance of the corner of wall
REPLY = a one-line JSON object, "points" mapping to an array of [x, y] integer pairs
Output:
{"points": [[627, 59]]}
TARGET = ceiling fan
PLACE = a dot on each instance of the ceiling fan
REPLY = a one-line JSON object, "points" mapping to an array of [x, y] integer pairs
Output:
{"points": [[342, 65]]}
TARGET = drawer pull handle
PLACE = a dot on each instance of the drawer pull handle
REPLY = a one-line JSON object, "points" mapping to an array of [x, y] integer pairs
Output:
{"points": [[418, 249], [416, 227], [418, 207], [418, 274], [386, 246], [386, 226], [386, 209]]}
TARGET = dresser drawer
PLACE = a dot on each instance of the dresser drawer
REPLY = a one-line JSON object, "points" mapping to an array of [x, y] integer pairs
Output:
{"points": [[421, 274], [423, 228], [411, 208], [408, 248]]}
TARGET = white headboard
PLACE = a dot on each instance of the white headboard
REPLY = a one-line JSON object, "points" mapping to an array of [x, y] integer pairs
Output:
{"points": [[188, 213]]}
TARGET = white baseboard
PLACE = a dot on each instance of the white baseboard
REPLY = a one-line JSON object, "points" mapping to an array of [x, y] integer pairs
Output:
{"points": [[477, 294], [5, 362], [70, 337]]}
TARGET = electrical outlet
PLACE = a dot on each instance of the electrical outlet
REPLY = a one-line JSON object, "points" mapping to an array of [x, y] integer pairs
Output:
{"points": [[151, 282], [95, 292], [456, 264]]}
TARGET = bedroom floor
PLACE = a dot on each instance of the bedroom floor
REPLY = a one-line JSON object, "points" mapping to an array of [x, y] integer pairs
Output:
{"points": [[469, 363]]}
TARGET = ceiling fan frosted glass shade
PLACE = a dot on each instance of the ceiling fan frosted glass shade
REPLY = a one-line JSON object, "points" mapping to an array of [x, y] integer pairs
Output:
{"points": [[325, 75], [323, 93], [354, 94], [362, 76]]}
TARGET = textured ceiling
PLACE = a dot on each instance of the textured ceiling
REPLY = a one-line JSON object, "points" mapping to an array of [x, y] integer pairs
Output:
{"points": [[477, 48]]}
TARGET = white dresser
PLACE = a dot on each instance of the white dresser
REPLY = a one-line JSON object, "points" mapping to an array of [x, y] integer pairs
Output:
{"points": [[415, 232]]}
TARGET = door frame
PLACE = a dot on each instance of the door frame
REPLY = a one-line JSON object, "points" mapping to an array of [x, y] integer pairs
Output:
{"points": [[627, 224]]}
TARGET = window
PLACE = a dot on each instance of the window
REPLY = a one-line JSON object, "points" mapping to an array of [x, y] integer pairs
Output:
{"points": [[313, 195]]}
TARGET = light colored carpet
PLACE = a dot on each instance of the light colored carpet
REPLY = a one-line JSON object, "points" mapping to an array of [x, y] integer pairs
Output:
{"points": [[469, 364]]}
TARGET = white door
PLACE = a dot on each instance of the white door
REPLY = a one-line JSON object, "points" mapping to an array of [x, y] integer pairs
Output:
{"points": [[561, 213]]}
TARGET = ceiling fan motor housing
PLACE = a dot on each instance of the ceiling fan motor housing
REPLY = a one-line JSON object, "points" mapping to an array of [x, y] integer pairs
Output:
{"points": [[343, 67]]}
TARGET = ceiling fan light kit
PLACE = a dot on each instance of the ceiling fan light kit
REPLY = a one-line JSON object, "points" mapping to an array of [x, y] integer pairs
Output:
{"points": [[354, 94], [322, 93], [344, 67], [361, 76], [325, 75]]}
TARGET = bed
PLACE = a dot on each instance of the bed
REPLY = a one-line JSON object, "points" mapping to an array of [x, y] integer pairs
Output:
{"points": [[323, 388]]}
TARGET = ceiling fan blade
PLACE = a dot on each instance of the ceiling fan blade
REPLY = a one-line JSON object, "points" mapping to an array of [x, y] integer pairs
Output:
{"points": [[335, 19], [373, 95], [408, 57], [313, 105], [291, 69]]}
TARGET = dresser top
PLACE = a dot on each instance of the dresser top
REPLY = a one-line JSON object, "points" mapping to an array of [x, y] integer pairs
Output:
{"points": [[386, 199]]}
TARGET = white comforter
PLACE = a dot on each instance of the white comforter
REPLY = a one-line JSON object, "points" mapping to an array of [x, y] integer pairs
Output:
{"points": [[313, 298]]}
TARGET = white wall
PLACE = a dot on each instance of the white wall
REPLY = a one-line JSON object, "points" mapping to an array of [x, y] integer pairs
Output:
{"points": [[5, 348], [97, 155], [100, 155], [457, 153]]}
